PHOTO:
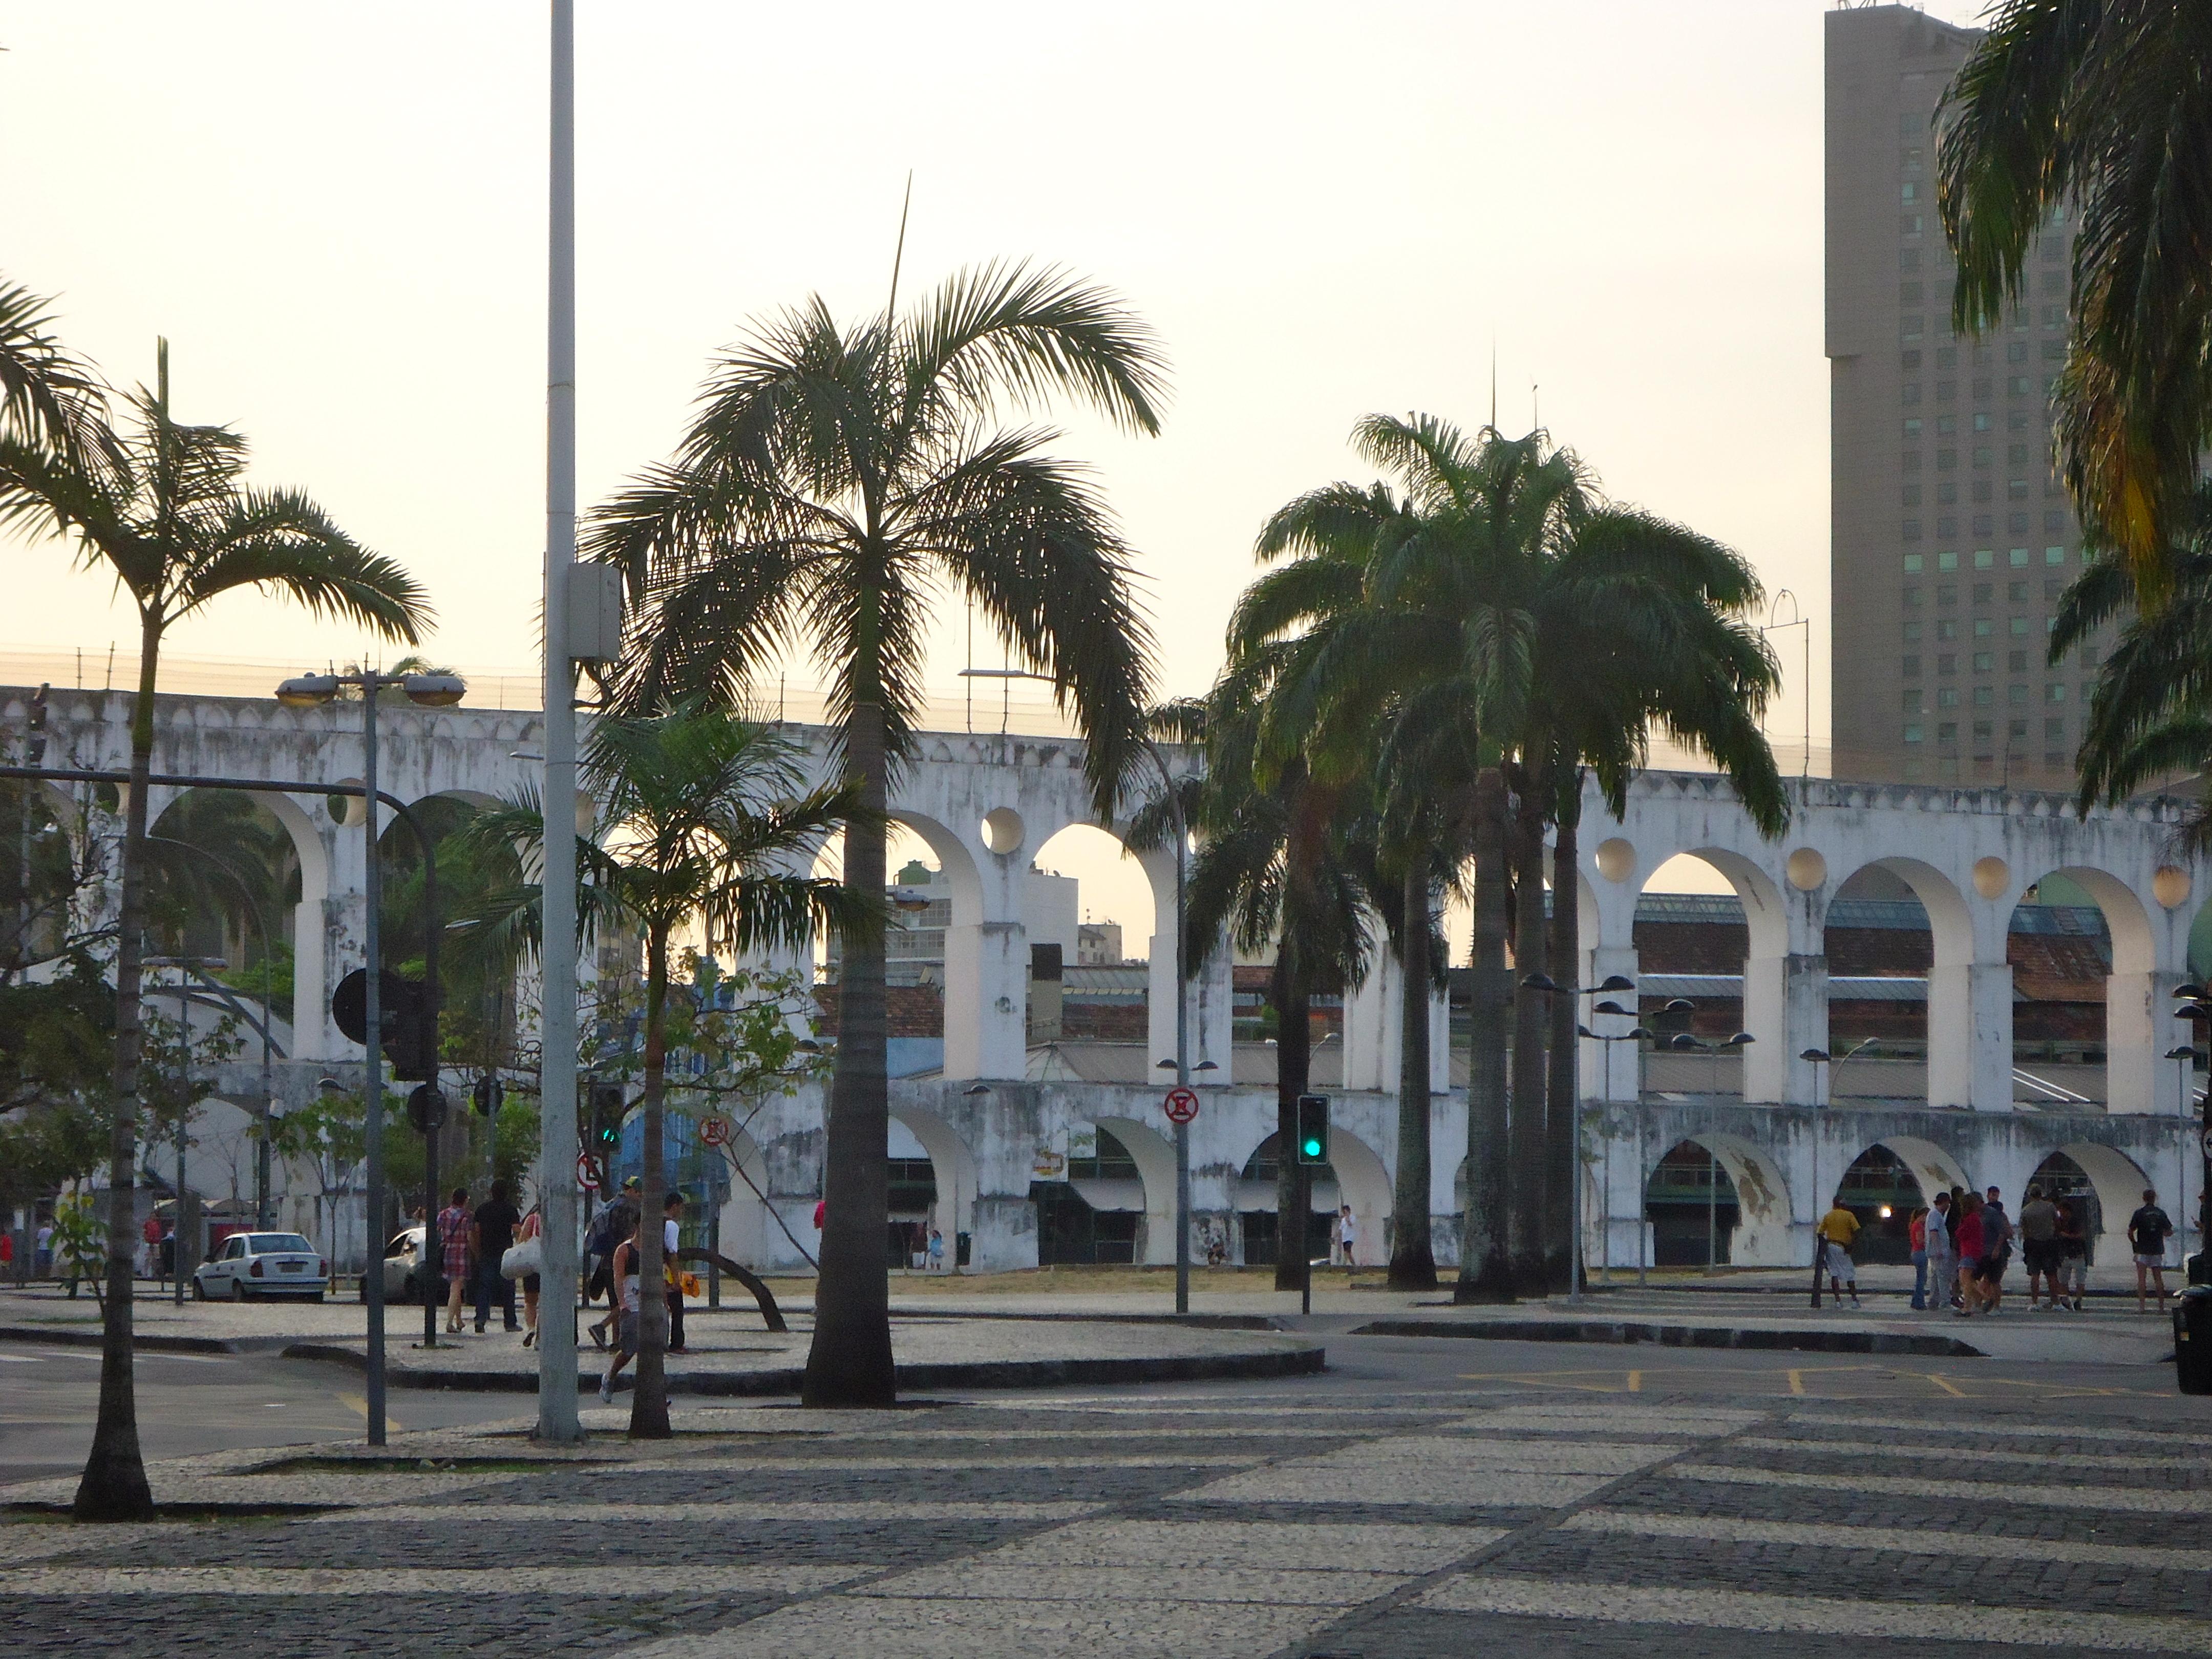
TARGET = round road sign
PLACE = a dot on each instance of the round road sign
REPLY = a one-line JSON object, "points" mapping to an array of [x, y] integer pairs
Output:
{"points": [[715, 1131], [1182, 1105], [590, 1172], [2208, 1143]]}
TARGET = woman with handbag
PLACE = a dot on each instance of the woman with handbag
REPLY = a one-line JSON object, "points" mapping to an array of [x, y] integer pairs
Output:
{"points": [[533, 1226]]}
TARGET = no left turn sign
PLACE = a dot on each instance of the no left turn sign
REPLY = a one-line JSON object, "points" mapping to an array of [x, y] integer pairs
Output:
{"points": [[1182, 1105]]}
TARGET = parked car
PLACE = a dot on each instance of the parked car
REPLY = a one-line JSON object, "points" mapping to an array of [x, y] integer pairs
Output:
{"points": [[403, 1274], [262, 1264]]}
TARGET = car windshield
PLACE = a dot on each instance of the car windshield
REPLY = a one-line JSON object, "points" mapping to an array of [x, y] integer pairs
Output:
{"points": [[271, 1244]]}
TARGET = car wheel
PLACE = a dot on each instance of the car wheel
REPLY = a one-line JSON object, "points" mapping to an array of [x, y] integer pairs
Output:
{"points": [[199, 1288], [237, 1291]]}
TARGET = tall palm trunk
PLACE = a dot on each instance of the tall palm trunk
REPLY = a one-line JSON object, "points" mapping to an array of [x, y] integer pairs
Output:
{"points": [[850, 1361], [648, 1408], [1293, 1074], [1485, 1273], [1530, 1226], [1412, 1255], [114, 1485], [1562, 1167]]}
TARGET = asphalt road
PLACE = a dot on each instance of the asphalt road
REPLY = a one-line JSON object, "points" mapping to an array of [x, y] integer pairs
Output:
{"points": [[194, 1403]]}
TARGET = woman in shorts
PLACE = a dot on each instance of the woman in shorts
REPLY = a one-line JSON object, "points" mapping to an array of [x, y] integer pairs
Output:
{"points": [[2073, 1254], [1970, 1255]]}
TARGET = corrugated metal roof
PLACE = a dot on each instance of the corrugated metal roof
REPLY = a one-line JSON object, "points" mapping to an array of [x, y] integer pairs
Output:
{"points": [[1842, 987]]}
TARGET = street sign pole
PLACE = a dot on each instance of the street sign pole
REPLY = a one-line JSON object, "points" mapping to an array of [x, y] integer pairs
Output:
{"points": [[372, 686]]}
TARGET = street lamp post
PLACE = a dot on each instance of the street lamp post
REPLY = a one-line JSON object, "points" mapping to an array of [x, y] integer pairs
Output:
{"points": [[431, 690], [1544, 985], [1818, 1058], [1638, 1035], [183, 1104]]}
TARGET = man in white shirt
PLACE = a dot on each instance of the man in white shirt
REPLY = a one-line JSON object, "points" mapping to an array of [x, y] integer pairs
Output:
{"points": [[1346, 1233]]}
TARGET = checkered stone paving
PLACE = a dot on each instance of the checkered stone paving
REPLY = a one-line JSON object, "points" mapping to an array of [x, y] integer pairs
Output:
{"points": [[1169, 1522]]}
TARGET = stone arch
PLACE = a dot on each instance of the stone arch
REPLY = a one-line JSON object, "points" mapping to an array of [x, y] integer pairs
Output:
{"points": [[743, 1231], [1364, 1182], [2119, 1181], [1966, 1059], [1761, 1235], [1154, 1156], [954, 1166], [1932, 1167], [1760, 1005], [2135, 1011]]}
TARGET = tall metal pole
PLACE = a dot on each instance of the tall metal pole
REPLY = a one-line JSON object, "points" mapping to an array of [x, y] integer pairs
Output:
{"points": [[1182, 1039], [184, 1114], [372, 685], [556, 1174]]}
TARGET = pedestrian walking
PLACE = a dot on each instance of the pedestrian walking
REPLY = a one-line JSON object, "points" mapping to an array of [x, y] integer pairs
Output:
{"points": [[491, 1234], [2073, 1254], [1347, 1232], [936, 1251], [42, 1257], [1943, 1256], [1969, 1254], [609, 1228], [149, 1251], [1915, 1234], [623, 1268], [454, 1224], [1838, 1228], [2147, 1229], [533, 1226], [2039, 1245], [671, 1225], [1997, 1233]]}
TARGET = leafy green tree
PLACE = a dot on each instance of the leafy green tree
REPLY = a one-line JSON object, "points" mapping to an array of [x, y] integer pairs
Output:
{"points": [[2098, 107], [703, 816], [165, 510], [839, 481]]}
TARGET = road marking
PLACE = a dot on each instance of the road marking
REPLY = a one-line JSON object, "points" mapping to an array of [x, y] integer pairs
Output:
{"points": [[2158, 1501], [455, 1582], [1635, 1382], [1797, 1381], [1936, 1541], [359, 1406], [1936, 1377]]}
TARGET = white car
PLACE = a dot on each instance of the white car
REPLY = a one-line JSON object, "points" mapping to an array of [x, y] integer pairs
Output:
{"points": [[403, 1266], [262, 1264]]}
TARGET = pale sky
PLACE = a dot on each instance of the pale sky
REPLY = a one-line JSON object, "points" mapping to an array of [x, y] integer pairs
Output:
{"points": [[336, 215]]}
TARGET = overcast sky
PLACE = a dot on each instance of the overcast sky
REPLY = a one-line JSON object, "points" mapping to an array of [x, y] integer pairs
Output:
{"points": [[336, 215]]}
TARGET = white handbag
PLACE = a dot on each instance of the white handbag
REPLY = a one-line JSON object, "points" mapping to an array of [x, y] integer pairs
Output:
{"points": [[522, 1259]]}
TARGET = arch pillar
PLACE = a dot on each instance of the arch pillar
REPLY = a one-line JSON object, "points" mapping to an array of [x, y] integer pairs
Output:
{"points": [[2139, 1028], [1375, 1020], [1210, 995]]}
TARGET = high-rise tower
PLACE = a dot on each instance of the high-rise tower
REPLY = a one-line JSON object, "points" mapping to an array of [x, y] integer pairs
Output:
{"points": [[1951, 536]]}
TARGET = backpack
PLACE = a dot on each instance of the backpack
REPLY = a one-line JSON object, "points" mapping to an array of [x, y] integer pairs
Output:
{"points": [[608, 1230]]}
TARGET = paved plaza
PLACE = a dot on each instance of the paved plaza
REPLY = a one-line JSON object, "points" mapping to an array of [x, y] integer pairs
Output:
{"points": [[1424, 1497]]}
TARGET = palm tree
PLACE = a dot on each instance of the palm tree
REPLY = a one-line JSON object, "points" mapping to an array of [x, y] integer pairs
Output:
{"points": [[2150, 720], [165, 508], [837, 481], [1515, 625], [1274, 871], [1386, 757], [703, 814], [2100, 106], [49, 397]]}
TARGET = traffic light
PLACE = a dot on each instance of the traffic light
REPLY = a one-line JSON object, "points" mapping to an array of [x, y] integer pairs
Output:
{"points": [[410, 1036], [1313, 1128], [606, 1117], [486, 1096]]}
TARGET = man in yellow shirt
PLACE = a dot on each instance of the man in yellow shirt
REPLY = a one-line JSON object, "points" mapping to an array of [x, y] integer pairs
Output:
{"points": [[1837, 1231]]}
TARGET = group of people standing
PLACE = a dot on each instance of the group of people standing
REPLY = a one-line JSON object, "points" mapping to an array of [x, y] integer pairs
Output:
{"points": [[1962, 1245], [471, 1246]]}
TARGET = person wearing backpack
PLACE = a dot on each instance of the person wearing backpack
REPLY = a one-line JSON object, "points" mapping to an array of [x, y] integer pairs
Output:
{"points": [[610, 1228], [2147, 1231]]}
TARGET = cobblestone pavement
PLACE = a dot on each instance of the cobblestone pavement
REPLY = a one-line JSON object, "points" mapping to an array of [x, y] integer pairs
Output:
{"points": [[1605, 1515]]}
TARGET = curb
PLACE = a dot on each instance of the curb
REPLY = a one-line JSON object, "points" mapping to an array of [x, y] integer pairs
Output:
{"points": [[1674, 1336], [985, 1374]]}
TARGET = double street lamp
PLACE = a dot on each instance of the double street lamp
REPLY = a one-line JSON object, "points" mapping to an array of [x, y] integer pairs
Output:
{"points": [[429, 691], [1544, 985]]}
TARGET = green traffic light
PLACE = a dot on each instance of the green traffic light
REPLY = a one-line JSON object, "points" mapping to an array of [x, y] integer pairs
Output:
{"points": [[1313, 1147]]}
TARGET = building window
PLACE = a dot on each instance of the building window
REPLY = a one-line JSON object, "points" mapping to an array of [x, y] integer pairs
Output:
{"points": [[1946, 627], [1985, 662], [2017, 696], [1909, 191], [1983, 627], [1909, 529], [1947, 460], [1946, 389], [2088, 654], [2053, 523], [1984, 695], [2054, 693], [1910, 362], [2051, 587], [1981, 421], [1984, 731], [1912, 563], [1981, 453], [1947, 495], [2016, 729], [1982, 592], [1981, 382], [2054, 730], [1912, 731], [1946, 424], [2019, 386], [1981, 491], [1908, 258], [1912, 427], [1909, 328], [1985, 558], [1948, 559], [2017, 420], [1912, 667], [2016, 490], [1908, 294], [2016, 351], [2015, 662], [2016, 593], [2054, 555], [1947, 593], [1909, 461], [1911, 599], [1982, 524], [1911, 393], [1946, 731], [1912, 700], [2017, 627], [1912, 632], [1946, 697], [1946, 664]]}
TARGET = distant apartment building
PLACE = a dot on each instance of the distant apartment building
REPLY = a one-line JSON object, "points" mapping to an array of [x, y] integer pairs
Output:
{"points": [[1951, 535]]}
